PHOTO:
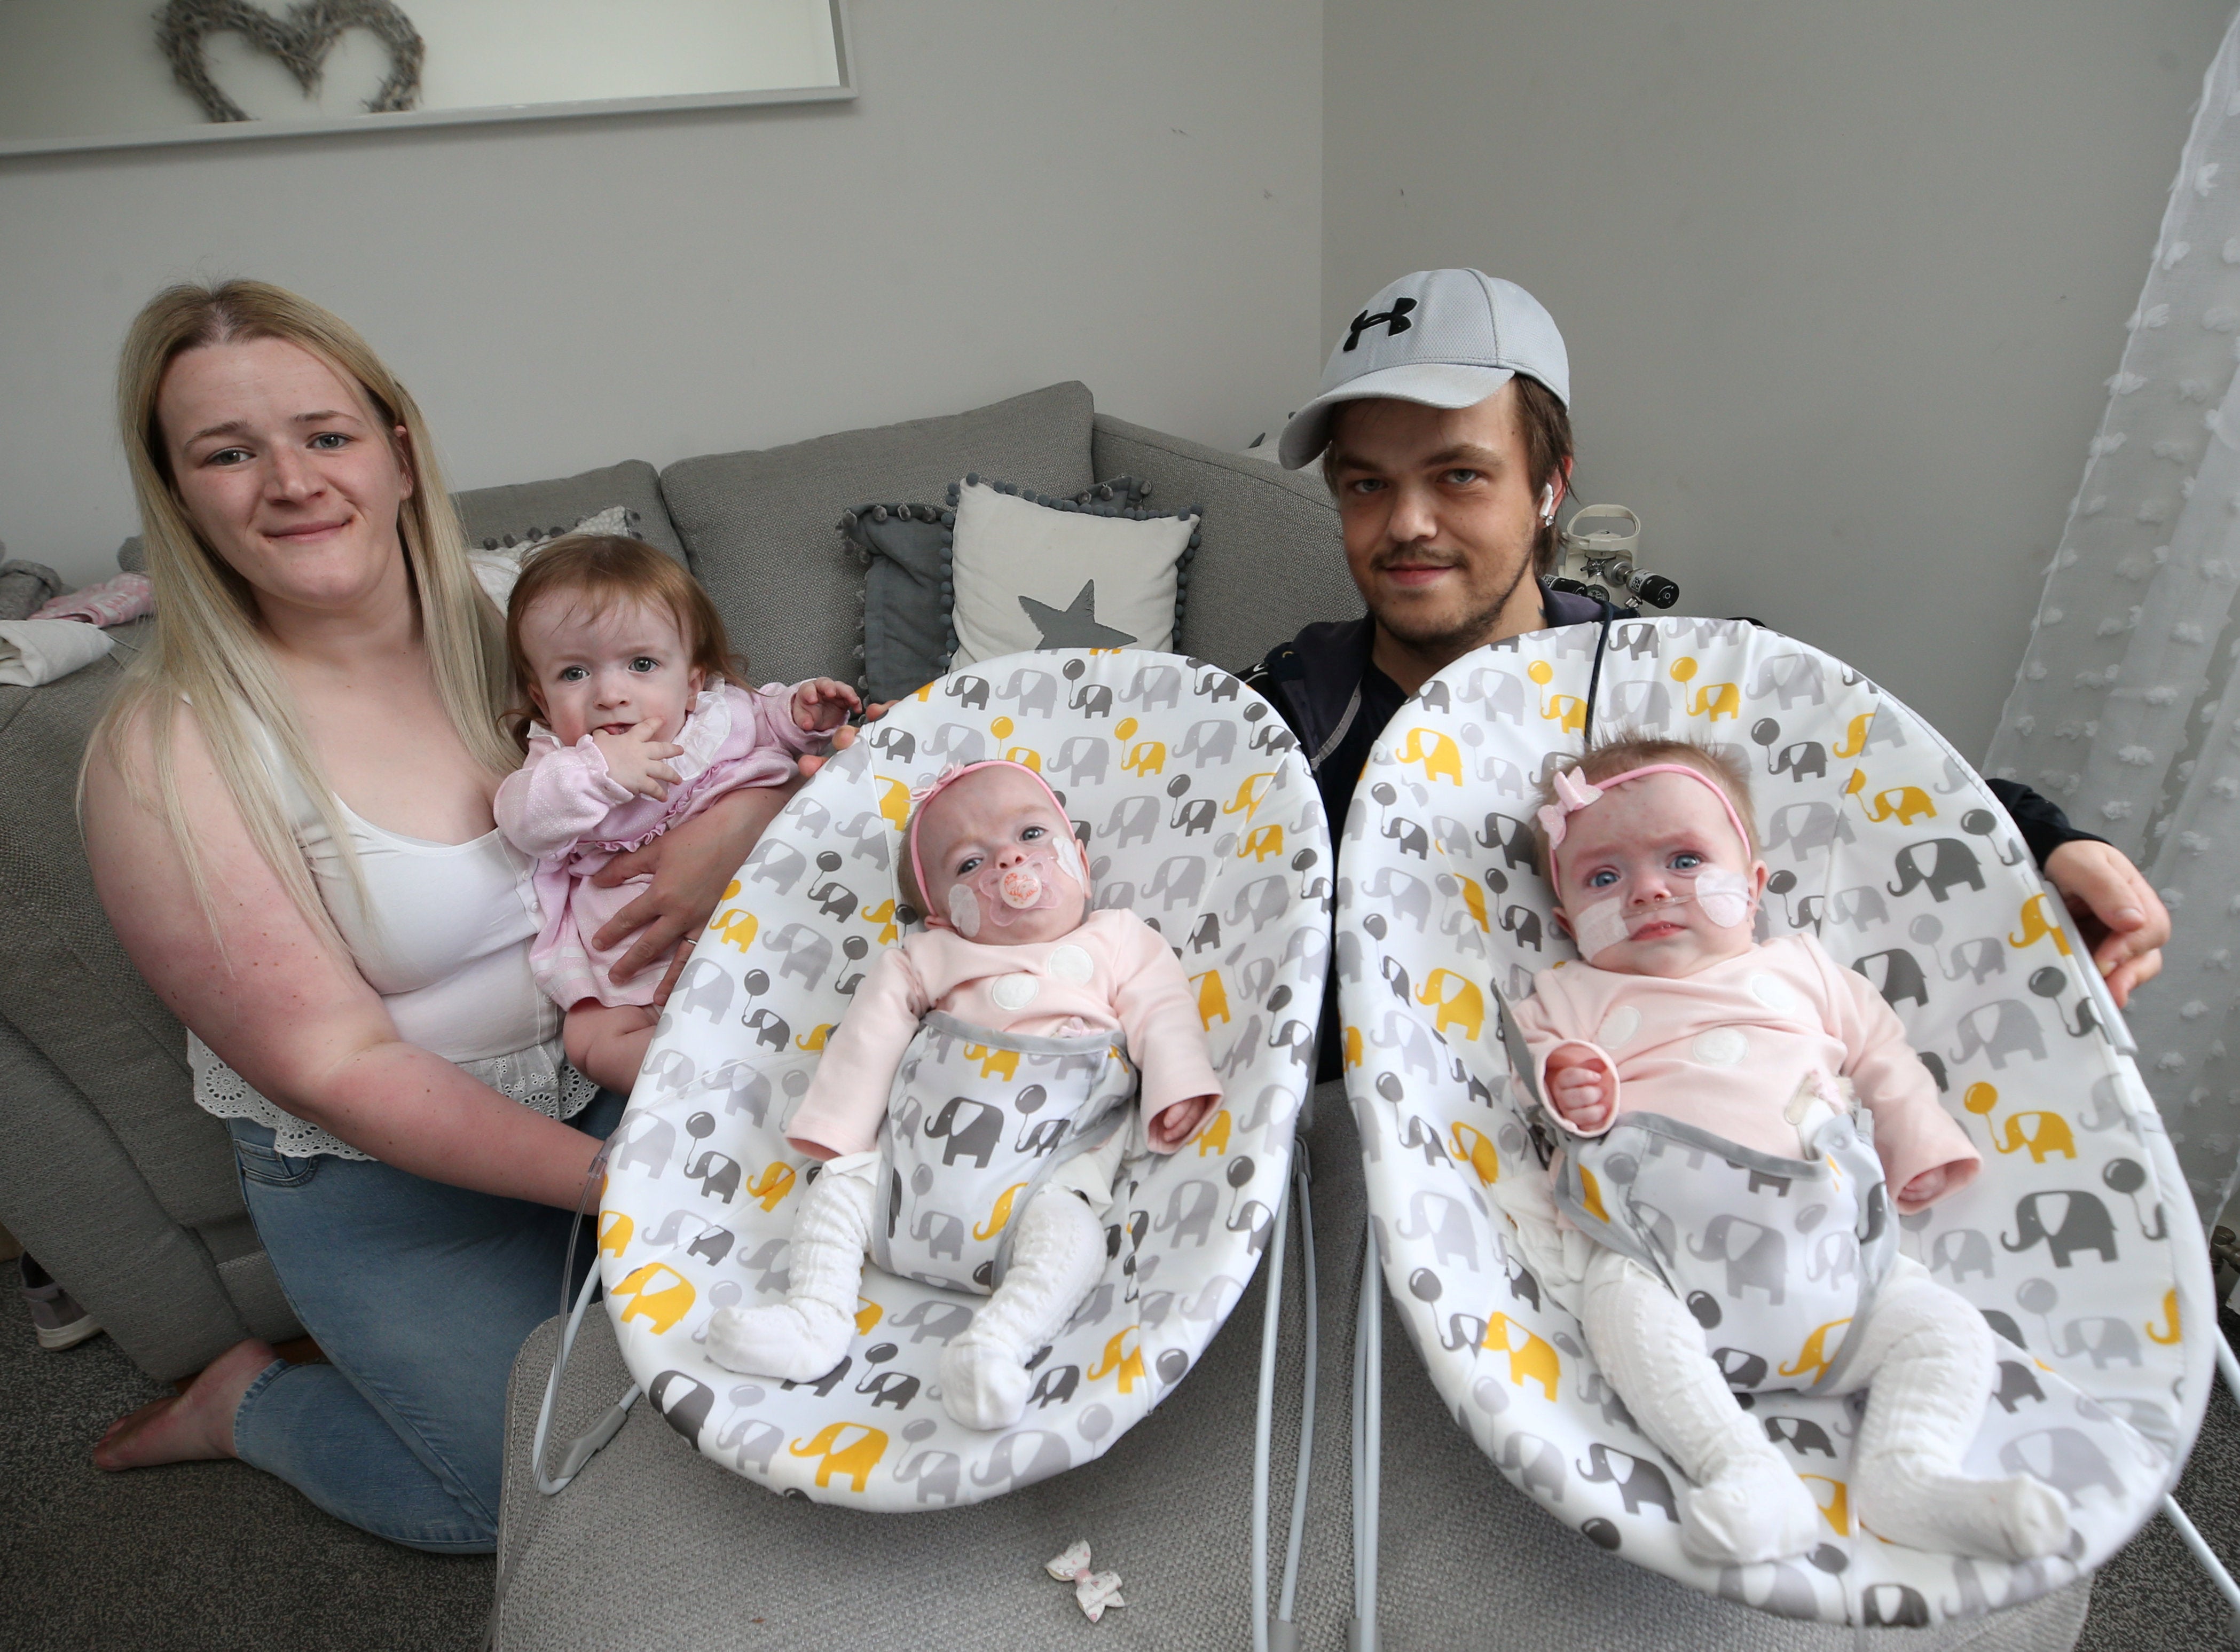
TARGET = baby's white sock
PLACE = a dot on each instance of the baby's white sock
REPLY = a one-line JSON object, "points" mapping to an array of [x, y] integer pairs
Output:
{"points": [[800, 1338], [1056, 1256], [1929, 1357], [1746, 1504]]}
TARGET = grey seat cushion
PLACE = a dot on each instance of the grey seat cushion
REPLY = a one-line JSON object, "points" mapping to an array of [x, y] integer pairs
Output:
{"points": [[653, 1546], [549, 507], [762, 531]]}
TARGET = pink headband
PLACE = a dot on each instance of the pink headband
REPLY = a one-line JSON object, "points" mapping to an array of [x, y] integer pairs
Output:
{"points": [[1574, 793], [948, 777]]}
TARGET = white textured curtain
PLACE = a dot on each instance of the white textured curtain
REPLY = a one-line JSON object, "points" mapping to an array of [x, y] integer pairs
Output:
{"points": [[2126, 707]]}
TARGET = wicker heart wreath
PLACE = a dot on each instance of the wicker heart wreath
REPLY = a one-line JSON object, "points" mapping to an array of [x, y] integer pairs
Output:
{"points": [[301, 40]]}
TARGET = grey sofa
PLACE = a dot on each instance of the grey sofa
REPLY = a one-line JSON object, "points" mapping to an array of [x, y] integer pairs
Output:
{"points": [[127, 1193]]}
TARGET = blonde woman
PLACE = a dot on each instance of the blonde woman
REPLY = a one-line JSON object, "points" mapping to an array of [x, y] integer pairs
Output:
{"points": [[288, 814]]}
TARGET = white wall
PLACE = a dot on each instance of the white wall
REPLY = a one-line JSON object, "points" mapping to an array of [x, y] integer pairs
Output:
{"points": [[1127, 194], [1841, 283]]}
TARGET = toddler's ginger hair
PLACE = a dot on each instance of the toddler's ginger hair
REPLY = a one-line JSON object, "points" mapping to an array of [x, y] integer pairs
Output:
{"points": [[1616, 755]]}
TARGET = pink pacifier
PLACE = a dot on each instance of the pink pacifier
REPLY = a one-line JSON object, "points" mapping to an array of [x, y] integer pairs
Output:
{"points": [[1002, 895]]}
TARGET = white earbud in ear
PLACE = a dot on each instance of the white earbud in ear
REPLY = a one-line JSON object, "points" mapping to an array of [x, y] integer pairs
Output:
{"points": [[1548, 505]]}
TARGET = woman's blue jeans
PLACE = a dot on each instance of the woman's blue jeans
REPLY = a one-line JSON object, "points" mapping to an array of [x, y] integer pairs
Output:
{"points": [[420, 1295]]}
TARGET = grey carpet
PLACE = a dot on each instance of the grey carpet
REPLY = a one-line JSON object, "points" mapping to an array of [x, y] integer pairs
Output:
{"points": [[217, 1555], [198, 1556]]}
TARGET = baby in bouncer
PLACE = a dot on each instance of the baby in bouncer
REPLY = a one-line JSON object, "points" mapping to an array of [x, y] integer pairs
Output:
{"points": [[1737, 1113], [973, 1107]]}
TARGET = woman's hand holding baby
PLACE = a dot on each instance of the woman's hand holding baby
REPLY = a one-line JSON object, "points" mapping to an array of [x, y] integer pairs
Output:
{"points": [[636, 761], [1582, 1088], [823, 704]]}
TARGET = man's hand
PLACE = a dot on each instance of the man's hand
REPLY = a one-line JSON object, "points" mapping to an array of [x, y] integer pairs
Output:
{"points": [[2123, 921], [1580, 1087], [843, 738], [636, 762], [823, 704], [691, 866]]}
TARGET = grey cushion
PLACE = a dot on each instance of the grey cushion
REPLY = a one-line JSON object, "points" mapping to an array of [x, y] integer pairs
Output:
{"points": [[655, 1546], [906, 552], [760, 530], [1271, 561], [25, 587], [510, 513]]}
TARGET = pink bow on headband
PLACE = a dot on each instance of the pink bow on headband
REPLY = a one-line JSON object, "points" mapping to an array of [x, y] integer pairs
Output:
{"points": [[1573, 792]]}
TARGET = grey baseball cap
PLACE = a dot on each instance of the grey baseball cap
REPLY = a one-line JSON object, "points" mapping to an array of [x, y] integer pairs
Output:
{"points": [[1442, 337]]}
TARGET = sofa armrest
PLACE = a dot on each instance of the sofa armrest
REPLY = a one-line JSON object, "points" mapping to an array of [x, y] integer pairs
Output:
{"points": [[1270, 560], [72, 1193], [108, 1173]]}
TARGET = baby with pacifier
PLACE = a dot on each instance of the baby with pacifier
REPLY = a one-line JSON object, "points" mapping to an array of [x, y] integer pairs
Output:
{"points": [[974, 1105], [633, 724], [1736, 1116]]}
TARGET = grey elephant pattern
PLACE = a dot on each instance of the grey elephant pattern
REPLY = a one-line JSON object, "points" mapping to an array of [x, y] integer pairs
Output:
{"points": [[1880, 841], [1217, 837]]}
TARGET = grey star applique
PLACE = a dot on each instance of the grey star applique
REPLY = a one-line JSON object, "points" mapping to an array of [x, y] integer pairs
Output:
{"points": [[1074, 626]]}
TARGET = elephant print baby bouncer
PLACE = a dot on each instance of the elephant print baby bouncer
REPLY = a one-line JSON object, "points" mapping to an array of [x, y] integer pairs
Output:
{"points": [[2077, 1242], [1198, 813]]}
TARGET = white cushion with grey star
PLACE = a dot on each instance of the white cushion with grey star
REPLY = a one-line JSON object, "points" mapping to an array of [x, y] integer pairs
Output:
{"points": [[1036, 575]]}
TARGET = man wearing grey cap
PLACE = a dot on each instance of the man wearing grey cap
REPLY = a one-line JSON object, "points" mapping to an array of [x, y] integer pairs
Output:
{"points": [[1444, 427]]}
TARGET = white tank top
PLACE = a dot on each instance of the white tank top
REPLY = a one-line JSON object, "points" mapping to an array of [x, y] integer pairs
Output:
{"points": [[444, 940]]}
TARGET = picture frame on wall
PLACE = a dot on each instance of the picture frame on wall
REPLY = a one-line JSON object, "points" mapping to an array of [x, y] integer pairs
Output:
{"points": [[115, 74]]}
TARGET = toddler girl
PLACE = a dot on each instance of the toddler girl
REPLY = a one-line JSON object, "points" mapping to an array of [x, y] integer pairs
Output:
{"points": [[632, 725], [1735, 1194], [972, 1107]]}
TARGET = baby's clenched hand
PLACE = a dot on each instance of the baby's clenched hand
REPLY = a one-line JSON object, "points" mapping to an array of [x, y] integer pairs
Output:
{"points": [[822, 704], [1927, 1188], [1579, 1086], [1174, 1125], [638, 762]]}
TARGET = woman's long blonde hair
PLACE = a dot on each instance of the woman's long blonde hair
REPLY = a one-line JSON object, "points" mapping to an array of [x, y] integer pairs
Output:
{"points": [[207, 647]]}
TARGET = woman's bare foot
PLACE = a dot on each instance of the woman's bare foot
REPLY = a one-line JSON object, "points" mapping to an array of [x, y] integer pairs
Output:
{"points": [[195, 1424]]}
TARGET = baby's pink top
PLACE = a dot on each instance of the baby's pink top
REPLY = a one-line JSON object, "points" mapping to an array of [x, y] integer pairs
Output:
{"points": [[1112, 973], [562, 807], [1727, 1048]]}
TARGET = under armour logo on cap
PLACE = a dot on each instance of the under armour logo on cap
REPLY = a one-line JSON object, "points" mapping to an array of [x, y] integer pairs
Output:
{"points": [[1394, 321]]}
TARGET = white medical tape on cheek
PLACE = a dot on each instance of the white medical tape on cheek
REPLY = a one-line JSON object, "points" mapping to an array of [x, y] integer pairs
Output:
{"points": [[1600, 926], [1724, 897], [963, 910]]}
